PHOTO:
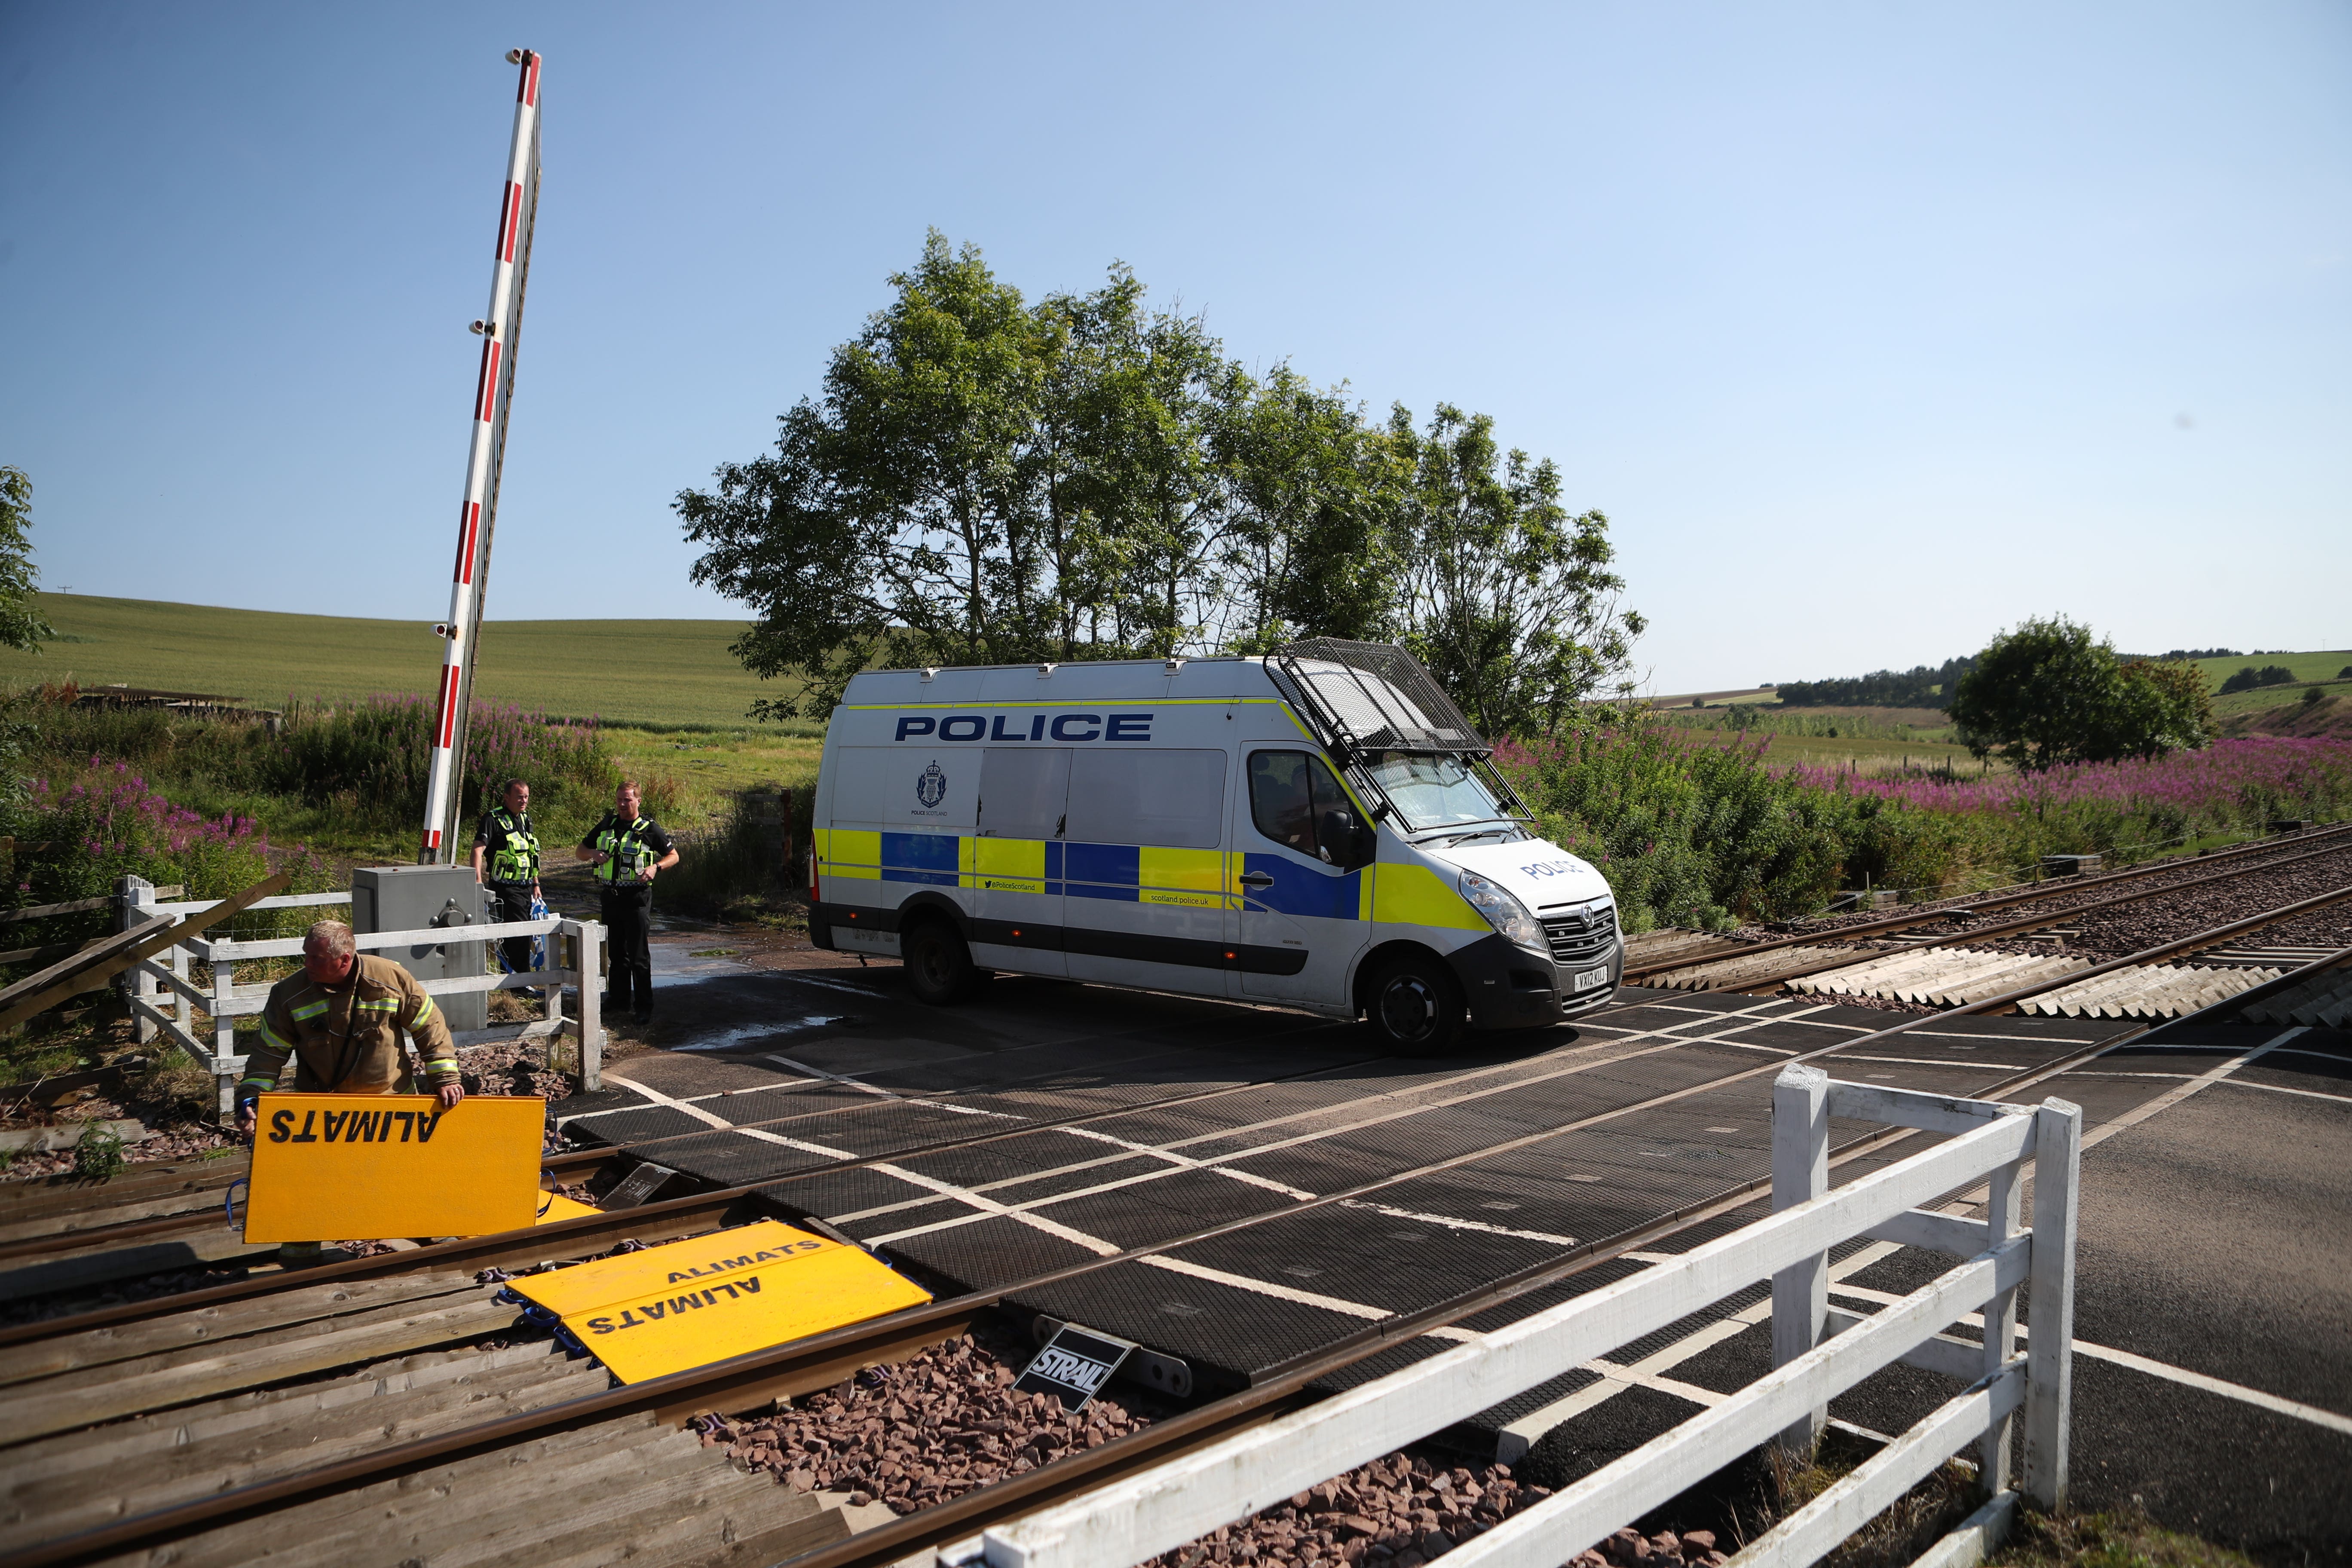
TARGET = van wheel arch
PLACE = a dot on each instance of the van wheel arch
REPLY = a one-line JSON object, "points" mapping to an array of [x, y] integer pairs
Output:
{"points": [[1373, 963]]}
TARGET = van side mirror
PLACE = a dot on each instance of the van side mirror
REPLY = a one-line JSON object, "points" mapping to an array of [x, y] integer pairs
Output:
{"points": [[1344, 841]]}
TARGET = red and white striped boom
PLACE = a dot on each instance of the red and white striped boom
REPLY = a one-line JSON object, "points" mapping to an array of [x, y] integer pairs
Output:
{"points": [[501, 332]]}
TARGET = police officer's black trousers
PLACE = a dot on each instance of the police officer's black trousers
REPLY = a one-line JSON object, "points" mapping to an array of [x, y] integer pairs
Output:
{"points": [[628, 913], [512, 902]]}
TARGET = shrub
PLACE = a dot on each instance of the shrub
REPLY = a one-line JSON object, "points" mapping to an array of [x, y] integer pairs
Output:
{"points": [[103, 821], [1687, 833], [2313, 696], [367, 759], [1692, 833], [374, 756]]}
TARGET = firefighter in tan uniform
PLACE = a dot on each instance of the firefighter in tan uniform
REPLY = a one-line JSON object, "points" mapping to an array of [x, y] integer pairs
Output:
{"points": [[341, 1021]]}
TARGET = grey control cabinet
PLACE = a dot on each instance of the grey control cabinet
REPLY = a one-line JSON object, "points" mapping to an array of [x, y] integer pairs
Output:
{"points": [[414, 898]]}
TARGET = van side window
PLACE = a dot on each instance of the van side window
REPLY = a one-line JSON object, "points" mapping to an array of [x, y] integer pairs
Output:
{"points": [[1169, 798], [1024, 791], [1290, 794]]}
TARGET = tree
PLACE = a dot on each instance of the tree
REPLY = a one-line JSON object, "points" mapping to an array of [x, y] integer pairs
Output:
{"points": [[903, 513], [988, 482], [22, 626], [2050, 692], [1315, 548], [1508, 598]]}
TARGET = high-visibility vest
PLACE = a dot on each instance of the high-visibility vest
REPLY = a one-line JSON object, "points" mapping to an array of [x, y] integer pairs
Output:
{"points": [[515, 858], [629, 853]]}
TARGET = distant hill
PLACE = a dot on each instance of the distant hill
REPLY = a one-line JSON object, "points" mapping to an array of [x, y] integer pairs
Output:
{"points": [[1926, 686], [633, 672]]}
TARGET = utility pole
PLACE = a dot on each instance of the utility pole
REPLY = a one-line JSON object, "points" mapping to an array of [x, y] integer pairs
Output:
{"points": [[501, 334]]}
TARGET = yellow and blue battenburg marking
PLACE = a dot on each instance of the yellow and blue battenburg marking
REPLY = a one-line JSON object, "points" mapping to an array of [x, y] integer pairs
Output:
{"points": [[688, 1303], [1122, 873]]}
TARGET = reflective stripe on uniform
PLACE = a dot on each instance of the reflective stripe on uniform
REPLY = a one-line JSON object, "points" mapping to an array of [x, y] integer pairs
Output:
{"points": [[516, 858], [271, 1037], [446, 1064], [423, 1012], [310, 1010], [388, 1005], [626, 852]]}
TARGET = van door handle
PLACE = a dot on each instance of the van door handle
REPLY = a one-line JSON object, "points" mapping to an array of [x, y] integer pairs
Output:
{"points": [[1255, 880]]}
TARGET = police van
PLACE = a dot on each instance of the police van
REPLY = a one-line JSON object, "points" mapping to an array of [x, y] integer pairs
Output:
{"points": [[1320, 829]]}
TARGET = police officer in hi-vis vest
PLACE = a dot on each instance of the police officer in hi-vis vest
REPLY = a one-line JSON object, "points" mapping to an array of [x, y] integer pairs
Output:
{"points": [[506, 861], [627, 849]]}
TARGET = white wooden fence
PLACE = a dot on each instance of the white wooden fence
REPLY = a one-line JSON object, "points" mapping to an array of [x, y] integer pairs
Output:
{"points": [[165, 998], [1817, 1356]]}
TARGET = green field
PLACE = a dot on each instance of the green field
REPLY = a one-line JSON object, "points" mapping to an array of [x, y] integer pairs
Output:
{"points": [[656, 673], [2308, 667]]}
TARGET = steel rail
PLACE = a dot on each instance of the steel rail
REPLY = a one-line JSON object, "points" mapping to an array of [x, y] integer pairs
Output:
{"points": [[1773, 978], [821, 1360], [1943, 909]]}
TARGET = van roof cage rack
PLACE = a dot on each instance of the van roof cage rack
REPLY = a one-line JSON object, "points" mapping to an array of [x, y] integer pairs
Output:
{"points": [[1362, 698], [1372, 697]]}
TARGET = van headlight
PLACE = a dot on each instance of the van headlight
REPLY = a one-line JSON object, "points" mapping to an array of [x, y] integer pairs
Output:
{"points": [[1504, 913]]}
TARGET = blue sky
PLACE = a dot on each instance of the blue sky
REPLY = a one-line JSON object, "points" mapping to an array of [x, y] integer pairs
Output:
{"points": [[1873, 328]]}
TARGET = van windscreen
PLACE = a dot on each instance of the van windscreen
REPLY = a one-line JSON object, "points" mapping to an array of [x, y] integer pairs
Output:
{"points": [[1432, 791]]}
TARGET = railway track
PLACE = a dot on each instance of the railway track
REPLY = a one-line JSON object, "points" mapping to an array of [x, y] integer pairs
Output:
{"points": [[59, 1223], [1764, 967], [516, 1431]]}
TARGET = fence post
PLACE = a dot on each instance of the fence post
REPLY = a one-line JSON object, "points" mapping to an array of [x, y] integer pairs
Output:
{"points": [[224, 1038], [2050, 1293], [1800, 1172], [133, 896], [592, 1010], [2002, 1212]]}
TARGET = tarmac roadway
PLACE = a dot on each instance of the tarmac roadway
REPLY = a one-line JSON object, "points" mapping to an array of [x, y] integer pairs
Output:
{"points": [[2213, 1372]]}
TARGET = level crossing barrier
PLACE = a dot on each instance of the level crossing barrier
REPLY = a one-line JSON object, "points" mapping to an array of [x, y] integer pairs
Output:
{"points": [[1818, 1353], [164, 996]]}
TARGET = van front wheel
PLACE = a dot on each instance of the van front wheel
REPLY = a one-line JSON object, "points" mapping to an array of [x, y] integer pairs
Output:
{"points": [[938, 965], [1414, 1007]]}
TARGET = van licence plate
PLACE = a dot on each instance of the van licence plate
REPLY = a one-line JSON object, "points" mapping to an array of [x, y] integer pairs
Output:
{"points": [[1591, 980]]}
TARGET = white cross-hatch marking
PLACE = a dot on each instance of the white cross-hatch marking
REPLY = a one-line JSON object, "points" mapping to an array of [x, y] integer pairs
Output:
{"points": [[1449, 1222], [2153, 1368], [2173, 1096], [1647, 1372], [690, 1107], [1516, 1438], [2228, 1082], [1263, 1148], [850, 1081], [1071, 1233], [2282, 1088], [1246, 1129], [1022, 1213]]}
